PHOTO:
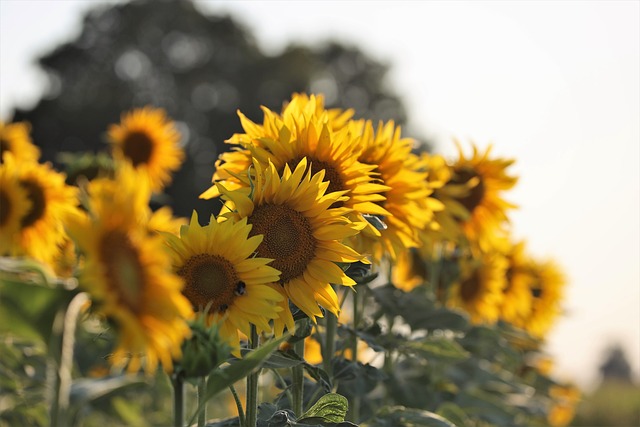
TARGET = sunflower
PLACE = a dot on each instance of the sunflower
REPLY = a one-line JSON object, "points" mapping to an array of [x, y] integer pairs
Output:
{"points": [[307, 132], [487, 178], [15, 139], [409, 270], [546, 288], [127, 272], [222, 276], [149, 140], [408, 199], [516, 304], [565, 399], [479, 289], [302, 234], [41, 232], [14, 205]]}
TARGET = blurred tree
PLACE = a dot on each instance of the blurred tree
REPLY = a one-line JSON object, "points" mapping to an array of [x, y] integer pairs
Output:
{"points": [[616, 367], [201, 69]]}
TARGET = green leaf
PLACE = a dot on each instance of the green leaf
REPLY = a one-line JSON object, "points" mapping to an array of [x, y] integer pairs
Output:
{"points": [[221, 378], [320, 376], [399, 416], [28, 309], [330, 408], [283, 359], [84, 391], [453, 413], [436, 348]]}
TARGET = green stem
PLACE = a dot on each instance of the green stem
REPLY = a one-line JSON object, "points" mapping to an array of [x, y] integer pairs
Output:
{"points": [[330, 342], [285, 387], [354, 410], [252, 385], [65, 366], [202, 416], [298, 380], [241, 417], [178, 400]]}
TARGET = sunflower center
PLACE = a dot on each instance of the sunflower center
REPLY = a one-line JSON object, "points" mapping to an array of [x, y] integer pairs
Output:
{"points": [[4, 146], [5, 208], [125, 274], [536, 292], [38, 203], [470, 287], [331, 175], [476, 194], [211, 279], [288, 239], [137, 147]]}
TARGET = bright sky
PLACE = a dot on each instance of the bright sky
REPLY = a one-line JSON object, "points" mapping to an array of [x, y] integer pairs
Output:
{"points": [[555, 85]]}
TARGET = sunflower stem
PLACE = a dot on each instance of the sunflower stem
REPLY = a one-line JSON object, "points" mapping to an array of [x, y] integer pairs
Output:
{"points": [[62, 378], [252, 385], [236, 398], [354, 410], [330, 343], [202, 416], [298, 380], [178, 400]]}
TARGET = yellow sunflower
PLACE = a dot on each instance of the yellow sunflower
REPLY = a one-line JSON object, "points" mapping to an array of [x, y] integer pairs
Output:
{"points": [[302, 234], [547, 287], [15, 139], [305, 132], [222, 276], [408, 199], [565, 400], [14, 205], [516, 304], [127, 272], [487, 179], [41, 232], [148, 140], [409, 270], [479, 290]]}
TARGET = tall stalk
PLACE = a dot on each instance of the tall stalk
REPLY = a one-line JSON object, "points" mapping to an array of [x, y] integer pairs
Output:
{"points": [[329, 342], [298, 380], [178, 400], [202, 416], [252, 385], [354, 412]]}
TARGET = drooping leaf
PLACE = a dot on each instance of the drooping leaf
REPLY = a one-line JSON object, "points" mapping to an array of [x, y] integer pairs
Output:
{"points": [[330, 408], [399, 416], [436, 348]]}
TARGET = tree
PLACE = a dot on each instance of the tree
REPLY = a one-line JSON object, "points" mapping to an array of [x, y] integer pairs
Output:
{"points": [[201, 69]]}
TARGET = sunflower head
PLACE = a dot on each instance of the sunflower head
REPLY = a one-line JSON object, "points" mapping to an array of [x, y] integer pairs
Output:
{"points": [[302, 233], [148, 140], [15, 139], [127, 272], [485, 178], [39, 231], [516, 304], [223, 277], [479, 290]]}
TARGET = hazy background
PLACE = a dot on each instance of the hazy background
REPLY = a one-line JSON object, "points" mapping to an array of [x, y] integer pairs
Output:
{"points": [[555, 85]]}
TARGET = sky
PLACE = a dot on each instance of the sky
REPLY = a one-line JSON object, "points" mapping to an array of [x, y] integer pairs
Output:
{"points": [[555, 85]]}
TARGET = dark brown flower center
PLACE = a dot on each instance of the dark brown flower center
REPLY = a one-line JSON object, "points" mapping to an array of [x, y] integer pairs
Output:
{"points": [[122, 268], [137, 147], [470, 287], [211, 280], [331, 175], [5, 208], [4, 146], [288, 239], [476, 194], [38, 203]]}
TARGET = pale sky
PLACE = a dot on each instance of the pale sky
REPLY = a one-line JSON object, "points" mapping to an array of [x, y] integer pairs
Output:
{"points": [[555, 85]]}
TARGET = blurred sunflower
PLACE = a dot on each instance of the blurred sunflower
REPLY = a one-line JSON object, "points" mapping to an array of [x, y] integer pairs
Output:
{"points": [[408, 199], [148, 140], [127, 272], [565, 399], [516, 304], [486, 178], [306, 132], [479, 289], [14, 205], [222, 276], [546, 288], [41, 232], [15, 139], [302, 234], [409, 270]]}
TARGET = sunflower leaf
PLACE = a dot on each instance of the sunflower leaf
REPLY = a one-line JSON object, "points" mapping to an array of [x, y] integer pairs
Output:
{"points": [[221, 378], [330, 408], [399, 416]]}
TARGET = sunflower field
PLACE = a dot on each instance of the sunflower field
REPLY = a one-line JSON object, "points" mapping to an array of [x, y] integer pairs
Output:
{"points": [[348, 279]]}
